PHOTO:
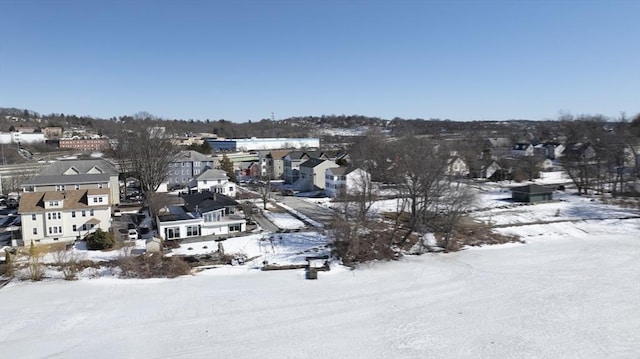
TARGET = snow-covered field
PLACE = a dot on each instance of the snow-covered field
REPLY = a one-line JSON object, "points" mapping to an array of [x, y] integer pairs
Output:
{"points": [[571, 291]]}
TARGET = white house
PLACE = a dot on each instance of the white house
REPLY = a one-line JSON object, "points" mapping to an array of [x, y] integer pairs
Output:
{"points": [[457, 167], [522, 149], [63, 216], [203, 214], [312, 173], [341, 180], [215, 181]]}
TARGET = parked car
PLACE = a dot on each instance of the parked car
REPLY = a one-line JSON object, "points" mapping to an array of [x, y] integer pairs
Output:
{"points": [[133, 234]]}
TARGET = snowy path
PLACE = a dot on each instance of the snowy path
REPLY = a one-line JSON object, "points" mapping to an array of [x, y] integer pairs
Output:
{"points": [[566, 297]]}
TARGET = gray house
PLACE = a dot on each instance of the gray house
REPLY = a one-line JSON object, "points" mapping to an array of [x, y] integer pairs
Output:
{"points": [[531, 193], [76, 175], [187, 165]]}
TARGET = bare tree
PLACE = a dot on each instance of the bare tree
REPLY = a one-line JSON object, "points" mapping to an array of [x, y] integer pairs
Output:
{"points": [[455, 201], [146, 151], [264, 190]]}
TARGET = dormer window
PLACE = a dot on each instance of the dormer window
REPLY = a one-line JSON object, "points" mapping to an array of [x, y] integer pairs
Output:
{"points": [[60, 187]]}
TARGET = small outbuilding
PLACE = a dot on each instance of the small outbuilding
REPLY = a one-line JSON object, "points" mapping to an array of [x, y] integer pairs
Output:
{"points": [[531, 193]]}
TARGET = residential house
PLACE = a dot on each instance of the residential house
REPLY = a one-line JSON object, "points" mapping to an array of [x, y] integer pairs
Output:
{"points": [[522, 149], [579, 152], [275, 163], [52, 132], [457, 167], [497, 147], [203, 214], [215, 181], [63, 216], [292, 162], [76, 175], [344, 180], [487, 170], [550, 150], [312, 174], [186, 166], [531, 193]]}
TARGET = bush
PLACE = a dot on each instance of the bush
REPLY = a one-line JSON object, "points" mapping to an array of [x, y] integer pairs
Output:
{"points": [[100, 240], [152, 266]]}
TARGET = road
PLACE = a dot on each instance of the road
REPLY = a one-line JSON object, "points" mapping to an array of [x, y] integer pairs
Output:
{"points": [[314, 211]]}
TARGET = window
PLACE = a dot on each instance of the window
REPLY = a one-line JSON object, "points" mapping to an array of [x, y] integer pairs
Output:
{"points": [[49, 216], [172, 232], [59, 229], [100, 199], [73, 214], [75, 228], [77, 187], [230, 188], [35, 231], [60, 187], [84, 213], [50, 230], [91, 212], [95, 199], [33, 217], [234, 228], [193, 231], [100, 185]]}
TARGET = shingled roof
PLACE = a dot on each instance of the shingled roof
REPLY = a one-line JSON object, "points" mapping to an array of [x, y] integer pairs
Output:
{"points": [[31, 202]]}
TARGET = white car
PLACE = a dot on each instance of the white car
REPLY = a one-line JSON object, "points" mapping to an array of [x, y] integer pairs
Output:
{"points": [[133, 234]]}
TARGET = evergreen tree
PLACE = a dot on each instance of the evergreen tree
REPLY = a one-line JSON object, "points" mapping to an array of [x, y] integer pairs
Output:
{"points": [[227, 166]]}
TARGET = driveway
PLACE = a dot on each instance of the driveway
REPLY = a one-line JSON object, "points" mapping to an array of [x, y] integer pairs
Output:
{"points": [[314, 211]]}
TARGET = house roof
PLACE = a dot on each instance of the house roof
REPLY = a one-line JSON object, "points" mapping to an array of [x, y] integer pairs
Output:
{"points": [[521, 146], [278, 154], [192, 156], [79, 167], [211, 175], [207, 201], [74, 199], [338, 171], [67, 179], [311, 162], [297, 155], [498, 142], [532, 189]]}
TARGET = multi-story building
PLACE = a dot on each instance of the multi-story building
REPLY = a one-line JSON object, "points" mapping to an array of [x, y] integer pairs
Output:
{"points": [[186, 166], [256, 144], [85, 143], [76, 175], [312, 174], [343, 180], [62, 216]]}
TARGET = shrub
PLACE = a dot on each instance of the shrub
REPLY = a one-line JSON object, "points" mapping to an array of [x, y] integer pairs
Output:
{"points": [[100, 240], [152, 266], [35, 271]]}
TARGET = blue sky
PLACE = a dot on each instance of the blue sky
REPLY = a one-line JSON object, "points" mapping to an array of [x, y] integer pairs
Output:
{"points": [[242, 60]]}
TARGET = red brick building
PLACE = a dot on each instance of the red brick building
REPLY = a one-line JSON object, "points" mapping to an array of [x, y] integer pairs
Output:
{"points": [[85, 144]]}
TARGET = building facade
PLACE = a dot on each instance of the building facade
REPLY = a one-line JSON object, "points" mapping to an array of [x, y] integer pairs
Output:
{"points": [[62, 216], [85, 144], [257, 144], [186, 166]]}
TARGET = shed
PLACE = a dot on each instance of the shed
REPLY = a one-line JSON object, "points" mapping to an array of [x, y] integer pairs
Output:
{"points": [[531, 193]]}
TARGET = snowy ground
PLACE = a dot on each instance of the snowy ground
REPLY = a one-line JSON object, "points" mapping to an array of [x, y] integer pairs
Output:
{"points": [[571, 291]]}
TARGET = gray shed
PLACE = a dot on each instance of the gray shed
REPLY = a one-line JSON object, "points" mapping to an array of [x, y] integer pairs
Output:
{"points": [[531, 193]]}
